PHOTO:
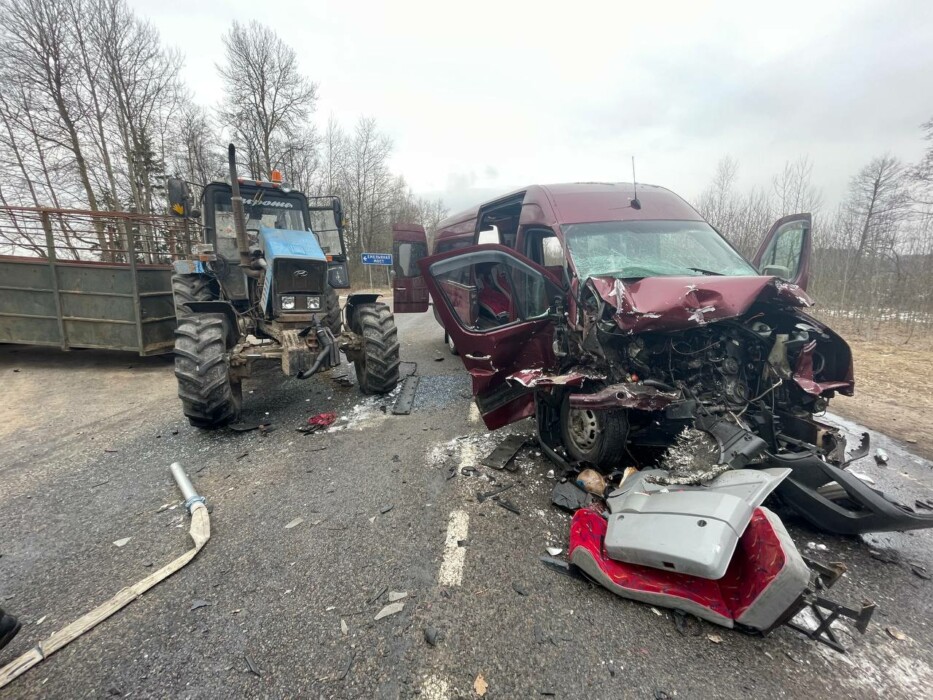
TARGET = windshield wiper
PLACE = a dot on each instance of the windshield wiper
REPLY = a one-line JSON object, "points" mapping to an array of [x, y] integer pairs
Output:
{"points": [[705, 272]]}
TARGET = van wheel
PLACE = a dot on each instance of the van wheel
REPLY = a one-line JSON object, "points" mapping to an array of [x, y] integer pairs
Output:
{"points": [[595, 437]]}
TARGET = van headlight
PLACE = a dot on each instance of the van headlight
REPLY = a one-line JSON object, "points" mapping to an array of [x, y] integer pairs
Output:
{"points": [[314, 303], [288, 303]]}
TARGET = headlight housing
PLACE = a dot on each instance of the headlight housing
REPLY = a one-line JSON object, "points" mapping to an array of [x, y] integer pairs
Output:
{"points": [[288, 302], [314, 303]]}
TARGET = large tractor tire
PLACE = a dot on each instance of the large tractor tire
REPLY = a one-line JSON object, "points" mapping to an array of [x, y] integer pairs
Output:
{"points": [[332, 310], [377, 363], [187, 288], [208, 396], [595, 437]]}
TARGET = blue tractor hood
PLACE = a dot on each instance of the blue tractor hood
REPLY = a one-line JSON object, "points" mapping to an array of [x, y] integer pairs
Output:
{"points": [[278, 243]]}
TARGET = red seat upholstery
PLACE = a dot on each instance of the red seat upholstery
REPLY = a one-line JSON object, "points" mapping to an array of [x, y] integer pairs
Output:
{"points": [[760, 559]]}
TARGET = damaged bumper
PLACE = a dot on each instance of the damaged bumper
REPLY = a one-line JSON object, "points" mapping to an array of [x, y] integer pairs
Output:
{"points": [[837, 501]]}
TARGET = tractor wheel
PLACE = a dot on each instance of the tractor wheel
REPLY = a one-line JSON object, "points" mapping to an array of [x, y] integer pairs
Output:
{"points": [[187, 288], [208, 396], [332, 310], [595, 437], [377, 364]]}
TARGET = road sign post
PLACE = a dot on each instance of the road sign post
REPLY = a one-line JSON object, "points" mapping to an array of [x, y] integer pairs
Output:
{"points": [[372, 259]]}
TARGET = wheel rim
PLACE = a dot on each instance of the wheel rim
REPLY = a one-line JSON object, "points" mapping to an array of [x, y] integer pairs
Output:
{"points": [[583, 428]]}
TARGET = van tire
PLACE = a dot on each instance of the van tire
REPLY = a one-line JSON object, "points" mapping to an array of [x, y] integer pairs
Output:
{"points": [[596, 438]]}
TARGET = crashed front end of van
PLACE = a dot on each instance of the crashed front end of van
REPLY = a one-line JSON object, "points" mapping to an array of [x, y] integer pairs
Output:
{"points": [[732, 370]]}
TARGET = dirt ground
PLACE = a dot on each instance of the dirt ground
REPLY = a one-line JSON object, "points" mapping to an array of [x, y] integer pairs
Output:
{"points": [[893, 385]]}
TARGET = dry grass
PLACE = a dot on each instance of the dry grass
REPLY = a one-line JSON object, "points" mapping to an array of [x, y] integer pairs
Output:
{"points": [[893, 383]]}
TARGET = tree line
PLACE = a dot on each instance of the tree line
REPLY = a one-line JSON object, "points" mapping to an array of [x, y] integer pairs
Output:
{"points": [[873, 251], [94, 115]]}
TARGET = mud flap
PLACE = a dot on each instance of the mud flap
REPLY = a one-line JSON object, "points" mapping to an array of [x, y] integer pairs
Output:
{"points": [[868, 510]]}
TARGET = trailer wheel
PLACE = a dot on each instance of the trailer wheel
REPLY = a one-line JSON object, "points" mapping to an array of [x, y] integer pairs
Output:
{"points": [[332, 310], [377, 363], [208, 396], [595, 437], [187, 288]]}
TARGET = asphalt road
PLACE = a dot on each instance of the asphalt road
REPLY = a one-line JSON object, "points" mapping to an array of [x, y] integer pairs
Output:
{"points": [[87, 440]]}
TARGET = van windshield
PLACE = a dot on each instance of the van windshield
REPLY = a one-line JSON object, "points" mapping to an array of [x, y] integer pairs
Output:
{"points": [[635, 249]]}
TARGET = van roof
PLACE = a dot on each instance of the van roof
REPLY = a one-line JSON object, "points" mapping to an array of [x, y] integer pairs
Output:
{"points": [[589, 202]]}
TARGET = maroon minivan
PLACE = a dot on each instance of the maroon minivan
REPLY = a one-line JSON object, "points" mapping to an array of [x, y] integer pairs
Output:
{"points": [[620, 318]]}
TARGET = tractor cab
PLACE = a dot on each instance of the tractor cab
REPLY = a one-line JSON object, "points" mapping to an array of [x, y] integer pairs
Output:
{"points": [[304, 237]]}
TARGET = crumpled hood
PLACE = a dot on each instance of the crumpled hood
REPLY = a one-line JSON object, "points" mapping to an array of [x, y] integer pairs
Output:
{"points": [[677, 303]]}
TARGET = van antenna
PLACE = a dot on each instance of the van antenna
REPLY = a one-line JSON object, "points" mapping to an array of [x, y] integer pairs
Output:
{"points": [[635, 203]]}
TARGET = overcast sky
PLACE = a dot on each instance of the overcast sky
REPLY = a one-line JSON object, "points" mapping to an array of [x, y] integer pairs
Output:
{"points": [[488, 96]]}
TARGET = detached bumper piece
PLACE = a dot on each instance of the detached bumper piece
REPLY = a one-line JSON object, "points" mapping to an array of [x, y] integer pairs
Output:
{"points": [[766, 584], [837, 501]]}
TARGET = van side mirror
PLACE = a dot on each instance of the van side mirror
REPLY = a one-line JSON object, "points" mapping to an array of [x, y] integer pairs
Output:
{"points": [[776, 271]]}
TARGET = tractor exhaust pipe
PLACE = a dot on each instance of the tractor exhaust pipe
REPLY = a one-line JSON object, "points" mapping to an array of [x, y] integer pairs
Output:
{"points": [[200, 533], [239, 216]]}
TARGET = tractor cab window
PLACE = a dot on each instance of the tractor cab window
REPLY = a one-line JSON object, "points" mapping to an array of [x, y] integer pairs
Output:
{"points": [[324, 225], [261, 209]]}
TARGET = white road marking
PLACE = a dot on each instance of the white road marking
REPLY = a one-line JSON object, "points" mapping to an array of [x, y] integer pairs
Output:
{"points": [[451, 571], [435, 688], [475, 417]]}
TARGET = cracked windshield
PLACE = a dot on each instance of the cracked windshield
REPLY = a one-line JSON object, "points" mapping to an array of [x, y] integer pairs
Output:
{"points": [[629, 249]]}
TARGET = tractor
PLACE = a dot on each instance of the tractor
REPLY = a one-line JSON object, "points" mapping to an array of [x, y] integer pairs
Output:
{"points": [[262, 286]]}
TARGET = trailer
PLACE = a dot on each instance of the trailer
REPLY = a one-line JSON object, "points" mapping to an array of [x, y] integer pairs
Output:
{"points": [[84, 279]]}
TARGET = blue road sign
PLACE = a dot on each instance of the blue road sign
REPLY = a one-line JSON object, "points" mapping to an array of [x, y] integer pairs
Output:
{"points": [[376, 258]]}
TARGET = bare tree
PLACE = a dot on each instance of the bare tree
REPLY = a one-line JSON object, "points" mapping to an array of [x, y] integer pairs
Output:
{"points": [[793, 189], [267, 100]]}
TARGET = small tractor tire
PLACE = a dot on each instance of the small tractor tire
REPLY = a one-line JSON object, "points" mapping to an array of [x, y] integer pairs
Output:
{"points": [[332, 310], [187, 288], [208, 396], [378, 361], [595, 437]]}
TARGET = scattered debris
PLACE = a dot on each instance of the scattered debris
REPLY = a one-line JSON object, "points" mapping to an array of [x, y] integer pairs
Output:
{"points": [[397, 595], [919, 571], [41, 620], [318, 422], [563, 567], [686, 624], [569, 496], [714, 638], [505, 451], [480, 685], [243, 427], [390, 609], [344, 629], [470, 471], [554, 551], [251, 665], [881, 457], [406, 396], [343, 381], [346, 670], [592, 481], [122, 542], [895, 633], [294, 523], [888, 556], [432, 636], [386, 508], [519, 588], [656, 611], [242, 455], [508, 505], [198, 603], [481, 497], [376, 597], [817, 547], [926, 505]]}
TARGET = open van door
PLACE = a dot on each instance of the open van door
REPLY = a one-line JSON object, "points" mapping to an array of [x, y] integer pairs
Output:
{"points": [[409, 245], [496, 306], [785, 252]]}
